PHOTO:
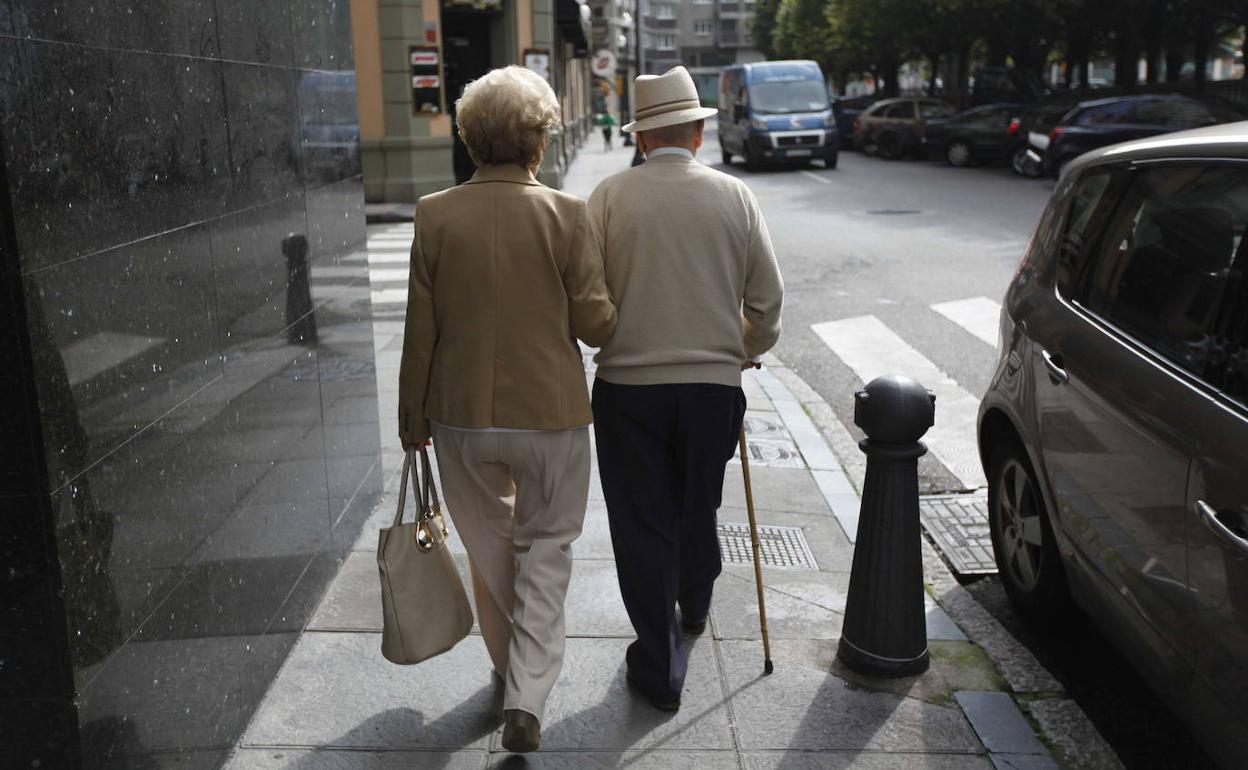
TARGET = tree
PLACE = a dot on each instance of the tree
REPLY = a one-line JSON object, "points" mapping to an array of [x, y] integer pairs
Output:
{"points": [[762, 26]]}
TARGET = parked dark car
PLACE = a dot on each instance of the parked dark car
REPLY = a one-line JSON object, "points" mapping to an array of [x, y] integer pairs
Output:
{"points": [[1029, 137], [977, 135], [997, 84], [1114, 432], [1104, 122], [894, 127], [847, 109]]}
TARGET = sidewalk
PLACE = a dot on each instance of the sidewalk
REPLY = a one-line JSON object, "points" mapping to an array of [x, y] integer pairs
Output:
{"points": [[338, 703]]}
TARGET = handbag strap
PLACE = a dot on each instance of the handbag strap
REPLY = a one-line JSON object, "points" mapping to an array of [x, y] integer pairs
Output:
{"points": [[408, 469], [429, 492]]}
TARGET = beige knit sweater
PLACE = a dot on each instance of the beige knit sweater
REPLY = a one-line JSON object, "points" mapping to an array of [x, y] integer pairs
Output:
{"points": [[691, 268]]}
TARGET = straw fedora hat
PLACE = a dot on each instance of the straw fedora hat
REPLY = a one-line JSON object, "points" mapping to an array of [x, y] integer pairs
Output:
{"points": [[666, 100]]}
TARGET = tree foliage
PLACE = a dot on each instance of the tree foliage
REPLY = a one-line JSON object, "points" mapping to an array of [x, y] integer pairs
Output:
{"points": [[876, 36]]}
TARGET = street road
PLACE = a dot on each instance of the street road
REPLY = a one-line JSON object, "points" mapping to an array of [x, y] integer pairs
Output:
{"points": [[872, 252], [901, 266]]}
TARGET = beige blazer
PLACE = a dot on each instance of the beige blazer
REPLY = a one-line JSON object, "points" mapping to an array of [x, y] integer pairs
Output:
{"points": [[504, 276]]}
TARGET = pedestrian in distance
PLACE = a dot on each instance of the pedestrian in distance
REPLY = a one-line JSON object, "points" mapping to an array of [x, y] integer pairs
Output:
{"points": [[505, 274], [608, 128], [691, 269]]}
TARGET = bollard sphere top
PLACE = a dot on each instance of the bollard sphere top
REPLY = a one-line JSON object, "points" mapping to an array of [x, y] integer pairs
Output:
{"points": [[893, 409]]}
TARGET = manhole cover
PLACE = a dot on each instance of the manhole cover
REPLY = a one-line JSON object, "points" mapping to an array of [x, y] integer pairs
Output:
{"points": [[958, 524], [893, 212], [778, 546]]}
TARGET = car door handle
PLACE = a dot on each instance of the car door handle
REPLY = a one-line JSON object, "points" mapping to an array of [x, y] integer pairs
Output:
{"points": [[1214, 521], [1054, 364]]}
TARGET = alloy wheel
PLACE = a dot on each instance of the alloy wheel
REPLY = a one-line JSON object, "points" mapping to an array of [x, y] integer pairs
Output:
{"points": [[1018, 161], [1019, 525], [958, 154]]}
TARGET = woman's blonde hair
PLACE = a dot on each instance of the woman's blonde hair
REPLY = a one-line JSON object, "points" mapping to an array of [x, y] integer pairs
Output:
{"points": [[504, 115]]}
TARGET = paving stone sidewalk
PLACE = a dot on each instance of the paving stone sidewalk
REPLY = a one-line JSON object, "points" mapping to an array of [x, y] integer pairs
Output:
{"points": [[338, 704]]}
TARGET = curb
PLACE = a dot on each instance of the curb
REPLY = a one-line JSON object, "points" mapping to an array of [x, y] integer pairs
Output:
{"points": [[1062, 723]]}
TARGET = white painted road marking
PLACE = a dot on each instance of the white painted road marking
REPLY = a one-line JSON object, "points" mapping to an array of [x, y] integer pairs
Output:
{"points": [[978, 315], [392, 275], [388, 258], [871, 349], [390, 296], [816, 177]]}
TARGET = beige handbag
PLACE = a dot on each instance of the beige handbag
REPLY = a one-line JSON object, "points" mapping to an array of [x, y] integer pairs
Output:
{"points": [[425, 608]]}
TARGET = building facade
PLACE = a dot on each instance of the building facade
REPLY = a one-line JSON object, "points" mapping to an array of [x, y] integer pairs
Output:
{"points": [[190, 435], [702, 35], [414, 58]]}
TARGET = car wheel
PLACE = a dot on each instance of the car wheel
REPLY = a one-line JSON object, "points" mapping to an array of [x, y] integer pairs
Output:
{"points": [[831, 162], [726, 157], [1022, 536], [890, 145], [1019, 162], [751, 163], [958, 154]]}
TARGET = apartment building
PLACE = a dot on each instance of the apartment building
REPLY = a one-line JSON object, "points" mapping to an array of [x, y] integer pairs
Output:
{"points": [[703, 35]]}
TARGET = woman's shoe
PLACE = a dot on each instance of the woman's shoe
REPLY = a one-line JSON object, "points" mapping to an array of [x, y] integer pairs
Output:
{"points": [[522, 732]]}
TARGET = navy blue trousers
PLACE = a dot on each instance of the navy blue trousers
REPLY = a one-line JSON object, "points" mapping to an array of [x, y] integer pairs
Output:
{"points": [[662, 451]]}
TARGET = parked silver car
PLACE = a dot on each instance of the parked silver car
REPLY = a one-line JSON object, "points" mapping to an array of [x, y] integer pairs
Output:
{"points": [[1114, 434]]}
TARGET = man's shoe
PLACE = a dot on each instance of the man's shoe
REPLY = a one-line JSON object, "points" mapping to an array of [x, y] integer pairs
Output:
{"points": [[522, 732], [693, 627], [662, 704]]}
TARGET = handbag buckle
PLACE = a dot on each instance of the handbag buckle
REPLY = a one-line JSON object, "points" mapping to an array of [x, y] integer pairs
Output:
{"points": [[424, 537]]}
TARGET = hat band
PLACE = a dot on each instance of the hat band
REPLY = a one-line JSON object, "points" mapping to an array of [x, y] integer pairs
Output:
{"points": [[672, 106]]}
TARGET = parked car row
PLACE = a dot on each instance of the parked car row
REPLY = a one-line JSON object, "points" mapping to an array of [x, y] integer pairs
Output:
{"points": [[1036, 140]]}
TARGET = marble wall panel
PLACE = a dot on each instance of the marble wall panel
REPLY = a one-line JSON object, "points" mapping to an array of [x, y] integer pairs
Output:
{"points": [[261, 114], [107, 147], [322, 30], [183, 212], [109, 368], [255, 32], [186, 27]]}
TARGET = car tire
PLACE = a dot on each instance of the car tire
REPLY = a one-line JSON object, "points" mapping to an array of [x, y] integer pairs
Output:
{"points": [[751, 163], [868, 146], [958, 154], [1026, 553], [1019, 162], [832, 161], [725, 156], [891, 145]]}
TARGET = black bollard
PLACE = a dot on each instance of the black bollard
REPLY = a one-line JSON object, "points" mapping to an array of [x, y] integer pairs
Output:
{"points": [[300, 321], [885, 629]]}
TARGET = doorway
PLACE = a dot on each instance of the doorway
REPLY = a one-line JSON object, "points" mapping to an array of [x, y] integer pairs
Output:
{"points": [[466, 46]]}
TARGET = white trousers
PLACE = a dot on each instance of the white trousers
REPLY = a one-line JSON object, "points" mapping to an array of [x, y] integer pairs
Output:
{"points": [[520, 548]]}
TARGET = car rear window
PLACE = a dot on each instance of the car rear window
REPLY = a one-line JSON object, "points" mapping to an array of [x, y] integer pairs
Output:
{"points": [[1158, 267], [904, 110], [1173, 113], [1105, 114], [929, 110]]}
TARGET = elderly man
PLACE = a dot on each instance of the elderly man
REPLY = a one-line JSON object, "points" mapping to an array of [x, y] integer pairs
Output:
{"points": [[691, 268]]}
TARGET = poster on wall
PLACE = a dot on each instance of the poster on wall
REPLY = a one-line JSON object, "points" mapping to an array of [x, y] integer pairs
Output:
{"points": [[426, 74], [538, 60]]}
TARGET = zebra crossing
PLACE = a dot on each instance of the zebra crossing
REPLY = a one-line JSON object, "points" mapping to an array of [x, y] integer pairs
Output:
{"points": [[389, 258], [866, 344], [870, 348]]}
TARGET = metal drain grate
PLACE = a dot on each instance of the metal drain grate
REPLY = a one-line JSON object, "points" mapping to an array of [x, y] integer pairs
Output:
{"points": [[778, 546], [958, 524]]}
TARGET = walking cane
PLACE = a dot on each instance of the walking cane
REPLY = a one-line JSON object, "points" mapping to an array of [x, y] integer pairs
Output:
{"points": [[758, 567]]}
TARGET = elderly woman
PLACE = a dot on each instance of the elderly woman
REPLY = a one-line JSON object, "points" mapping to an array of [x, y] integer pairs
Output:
{"points": [[504, 277]]}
